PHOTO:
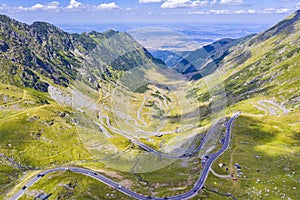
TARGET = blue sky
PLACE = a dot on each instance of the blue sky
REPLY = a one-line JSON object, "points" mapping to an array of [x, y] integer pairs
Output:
{"points": [[149, 11]]}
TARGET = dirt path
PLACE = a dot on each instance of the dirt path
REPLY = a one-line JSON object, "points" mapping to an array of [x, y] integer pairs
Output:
{"points": [[270, 107], [218, 175], [138, 114], [15, 102]]}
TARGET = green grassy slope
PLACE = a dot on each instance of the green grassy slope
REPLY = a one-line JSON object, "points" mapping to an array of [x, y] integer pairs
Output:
{"points": [[36, 131], [261, 79]]}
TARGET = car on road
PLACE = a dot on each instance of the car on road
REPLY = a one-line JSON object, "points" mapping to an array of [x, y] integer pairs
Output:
{"points": [[207, 161]]}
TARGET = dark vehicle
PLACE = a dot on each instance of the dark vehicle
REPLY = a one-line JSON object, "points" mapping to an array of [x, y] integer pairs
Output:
{"points": [[24, 187]]}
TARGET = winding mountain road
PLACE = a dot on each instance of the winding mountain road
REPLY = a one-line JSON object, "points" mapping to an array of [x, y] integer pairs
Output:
{"points": [[151, 150], [207, 163]]}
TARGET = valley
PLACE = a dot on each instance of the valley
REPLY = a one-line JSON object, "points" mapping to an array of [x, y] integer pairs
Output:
{"points": [[95, 115]]}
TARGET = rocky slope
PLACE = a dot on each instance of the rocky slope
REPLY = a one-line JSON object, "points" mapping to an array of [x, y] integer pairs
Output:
{"points": [[42, 69], [30, 54], [261, 79], [260, 75], [267, 64]]}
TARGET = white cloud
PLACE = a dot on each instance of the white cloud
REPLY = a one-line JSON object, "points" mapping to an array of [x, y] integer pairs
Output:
{"points": [[219, 12], [298, 5], [214, 2], [232, 2], [3, 7], [274, 11], [268, 11], [107, 6], [36, 7], [73, 4], [282, 10], [50, 6], [240, 12], [196, 13], [151, 1], [183, 3], [54, 6], [223, 12], [251, 11]]}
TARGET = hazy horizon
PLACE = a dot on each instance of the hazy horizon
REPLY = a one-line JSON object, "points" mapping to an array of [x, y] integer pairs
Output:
{"points": [[149, 11]]}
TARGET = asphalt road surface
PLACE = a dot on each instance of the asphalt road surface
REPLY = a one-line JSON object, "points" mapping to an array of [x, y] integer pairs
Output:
{"points": [[209, 159]]}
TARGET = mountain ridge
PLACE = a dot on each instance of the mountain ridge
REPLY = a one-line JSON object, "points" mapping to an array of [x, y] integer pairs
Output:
{"points": [[45, 50], [200, 62], [259, 76]]}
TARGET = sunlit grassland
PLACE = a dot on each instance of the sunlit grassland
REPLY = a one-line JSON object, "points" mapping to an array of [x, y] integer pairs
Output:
{"points": [[137, 113], [257, 133], [174, 179], [120, 142], [75, 186], [39, 133], [8, 176], [9, 94], [212, 141], [39, 137], [208, 194], [267, 148], [35, 134], [68, 185], [26, 176]]}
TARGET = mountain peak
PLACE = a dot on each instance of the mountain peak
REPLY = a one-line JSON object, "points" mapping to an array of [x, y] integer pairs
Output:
{"points": [[110, 33], [46, 28], [7, 23], [4, 18], [43, 51]]}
